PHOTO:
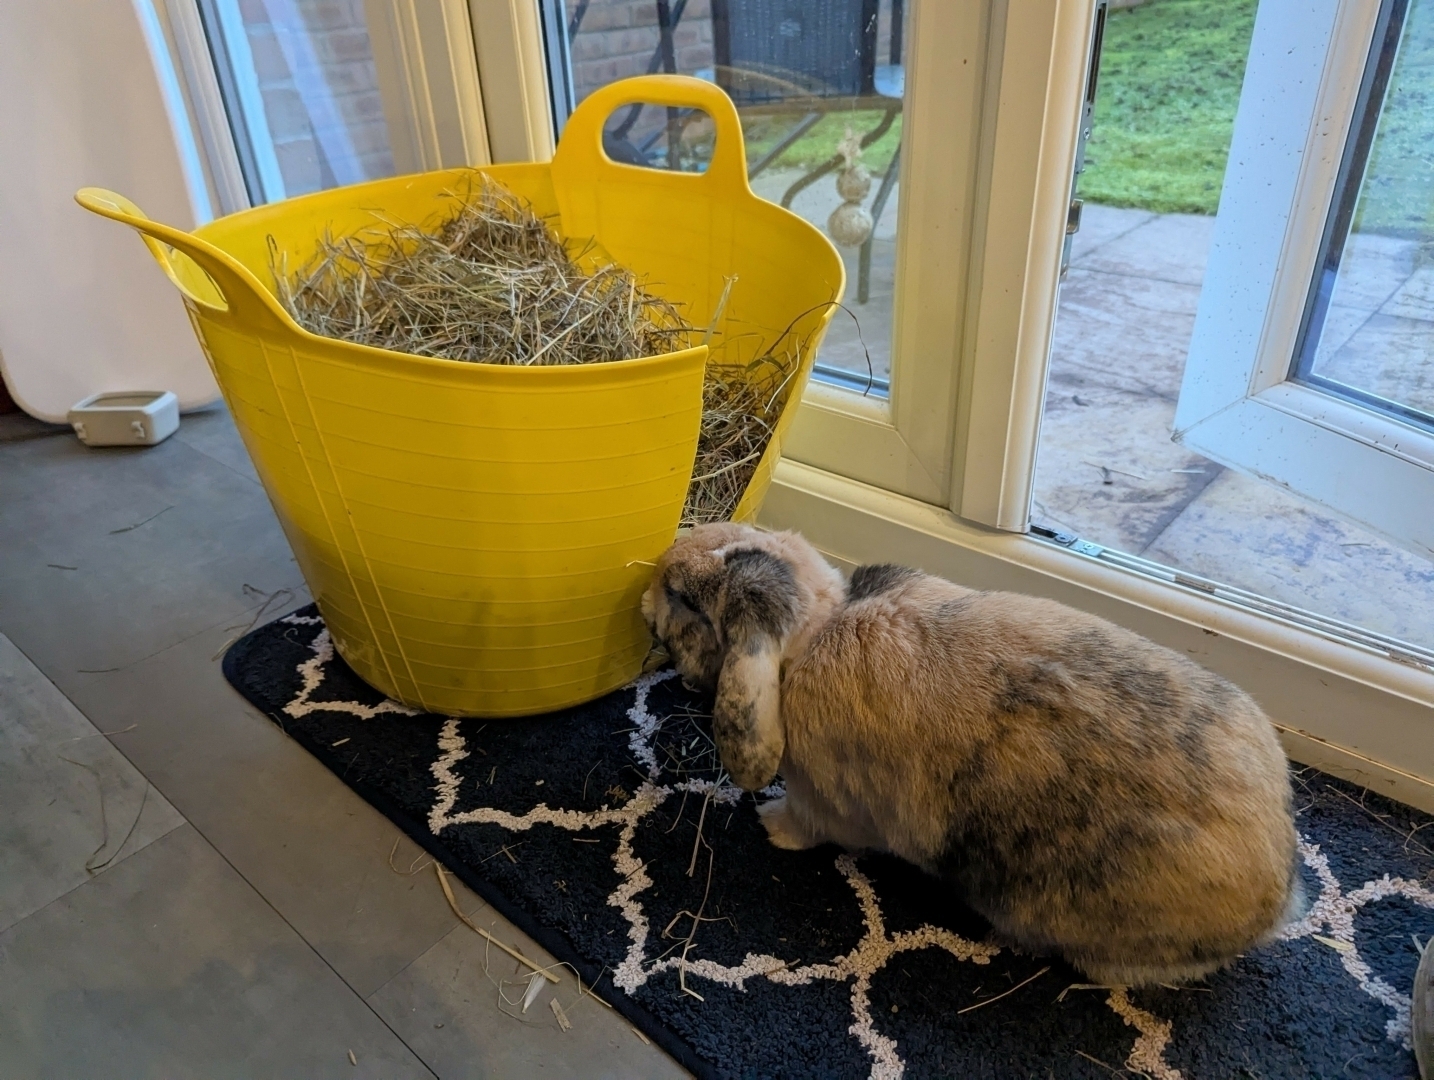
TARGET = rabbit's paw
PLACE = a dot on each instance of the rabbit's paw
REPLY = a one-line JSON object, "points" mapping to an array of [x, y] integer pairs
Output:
{"points": [[783, 829]]}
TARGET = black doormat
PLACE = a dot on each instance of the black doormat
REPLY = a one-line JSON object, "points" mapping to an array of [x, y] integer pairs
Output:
{"points": [[819, 963]]}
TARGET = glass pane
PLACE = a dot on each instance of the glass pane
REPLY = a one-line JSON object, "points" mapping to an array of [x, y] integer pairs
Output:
{"points": [[1370, 328], [804, 74], [1168, 88], [302, 93]]}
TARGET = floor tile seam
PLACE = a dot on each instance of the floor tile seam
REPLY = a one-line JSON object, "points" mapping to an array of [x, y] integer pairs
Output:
{"points": [[483, 906], [1174, 521], [98, 733], [219, 461], [1352, 334], [365, 995], [185, 820], [300, 591], [313, 948], [1389, 296], [1177, 511], [1395, 315], [198, 832], [218, 851], [406, 967], [93, 877]]}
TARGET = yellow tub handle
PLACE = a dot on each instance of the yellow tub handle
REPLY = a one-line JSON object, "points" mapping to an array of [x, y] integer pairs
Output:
{"points": [[202, 272], [580, 161]]}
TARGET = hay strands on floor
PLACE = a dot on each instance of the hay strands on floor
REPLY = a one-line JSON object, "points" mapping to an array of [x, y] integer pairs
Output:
{"points": [[537, 969], [535, 987], [560, 1015]]}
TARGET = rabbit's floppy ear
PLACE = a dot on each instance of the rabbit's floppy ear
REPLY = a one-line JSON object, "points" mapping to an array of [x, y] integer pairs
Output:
{"points": [[757, 609]]}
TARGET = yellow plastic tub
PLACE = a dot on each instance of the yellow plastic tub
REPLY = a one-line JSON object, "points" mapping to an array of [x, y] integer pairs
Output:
{"points": [[477, 537]]}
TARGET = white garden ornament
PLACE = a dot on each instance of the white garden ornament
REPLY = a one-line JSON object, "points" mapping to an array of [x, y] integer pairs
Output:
{"points": [[851, 223]]}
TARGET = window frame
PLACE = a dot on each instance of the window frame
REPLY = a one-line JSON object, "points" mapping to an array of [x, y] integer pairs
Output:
{"points": [[427, 65], [206, 121], [1239, 404], [973, 320], [904, 442], [513, 70]]}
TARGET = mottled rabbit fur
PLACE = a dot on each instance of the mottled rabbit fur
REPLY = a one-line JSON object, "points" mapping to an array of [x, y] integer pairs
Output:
{"points": [[1091, 793]]}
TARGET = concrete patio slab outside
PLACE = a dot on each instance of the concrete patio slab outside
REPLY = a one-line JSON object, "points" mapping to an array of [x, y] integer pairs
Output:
{"points": [[1107, 469]]}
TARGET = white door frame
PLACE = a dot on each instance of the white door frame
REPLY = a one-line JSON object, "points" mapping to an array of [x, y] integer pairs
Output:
{"points": [[905, 443], [427, 68], [1237, 404]]}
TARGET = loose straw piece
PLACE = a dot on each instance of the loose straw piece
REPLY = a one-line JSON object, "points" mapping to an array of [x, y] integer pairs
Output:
{"points": [[701, 818], [514, 953], [535, 987], [721, 308], [562, 1017], [1012, 990]]}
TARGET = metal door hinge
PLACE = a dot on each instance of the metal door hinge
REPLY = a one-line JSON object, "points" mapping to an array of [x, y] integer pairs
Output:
{"points": [[1087, 113], [1067, 540]]}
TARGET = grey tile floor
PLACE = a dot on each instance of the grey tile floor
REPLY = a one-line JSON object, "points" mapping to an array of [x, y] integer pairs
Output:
{"points": [[183, 890]]}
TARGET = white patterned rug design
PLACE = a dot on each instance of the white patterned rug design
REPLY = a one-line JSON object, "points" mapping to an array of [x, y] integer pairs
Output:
{"points": [[670, 955]]}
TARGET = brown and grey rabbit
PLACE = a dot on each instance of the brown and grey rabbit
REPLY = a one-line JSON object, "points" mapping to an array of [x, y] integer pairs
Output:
{"points": [[1090, 792]]}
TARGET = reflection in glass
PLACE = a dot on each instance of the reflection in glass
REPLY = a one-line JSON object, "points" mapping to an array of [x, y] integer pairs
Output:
{"points": [[302, 93], [1370, 326], [803, 73], [1108, 471]]}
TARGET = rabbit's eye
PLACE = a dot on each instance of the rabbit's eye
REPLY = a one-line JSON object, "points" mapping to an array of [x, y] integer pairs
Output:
{"points": [[681, 602]]}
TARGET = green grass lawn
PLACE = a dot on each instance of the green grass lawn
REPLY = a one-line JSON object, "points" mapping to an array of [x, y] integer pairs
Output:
{"points": [[1398, 196], [1170, 75], [1170, 81]]}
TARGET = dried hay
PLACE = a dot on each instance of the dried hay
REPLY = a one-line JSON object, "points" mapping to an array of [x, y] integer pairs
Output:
{"points": [[491, 283]]}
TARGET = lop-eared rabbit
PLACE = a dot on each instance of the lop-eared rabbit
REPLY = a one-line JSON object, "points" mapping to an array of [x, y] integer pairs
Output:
{"points": [[1088, 791]]}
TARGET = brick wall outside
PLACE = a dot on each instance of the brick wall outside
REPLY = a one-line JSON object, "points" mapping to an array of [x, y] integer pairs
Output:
{"points": [[618, 37], [339, 36]]}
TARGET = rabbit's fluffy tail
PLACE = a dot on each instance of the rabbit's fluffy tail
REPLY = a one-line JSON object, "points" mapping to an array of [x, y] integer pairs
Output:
{"points": [[1135, 973]]}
